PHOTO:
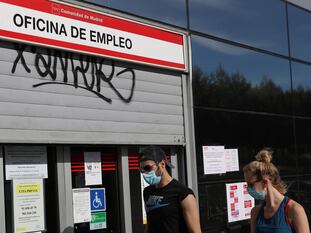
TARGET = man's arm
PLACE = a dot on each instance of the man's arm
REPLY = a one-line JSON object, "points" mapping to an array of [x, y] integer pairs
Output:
{"points": [[146, 228], [191, 214]]}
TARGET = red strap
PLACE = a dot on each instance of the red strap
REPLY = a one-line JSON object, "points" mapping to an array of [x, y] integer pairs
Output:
{"points": [[286, 211]]}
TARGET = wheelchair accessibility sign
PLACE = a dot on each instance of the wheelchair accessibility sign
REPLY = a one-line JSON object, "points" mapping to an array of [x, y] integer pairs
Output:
{"points": [[98, 199]]}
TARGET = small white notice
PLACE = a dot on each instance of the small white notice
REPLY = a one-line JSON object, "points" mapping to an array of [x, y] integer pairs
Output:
{"points": [[232, 160], [239, 202], [144, 184], [28, 205], [81, 205], [214, 159], [25, 162], [92, 166]]}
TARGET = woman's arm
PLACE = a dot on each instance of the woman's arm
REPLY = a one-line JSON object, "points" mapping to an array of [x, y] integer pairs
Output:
{"points": [[191, 214], [254, 213], [298, 218]]}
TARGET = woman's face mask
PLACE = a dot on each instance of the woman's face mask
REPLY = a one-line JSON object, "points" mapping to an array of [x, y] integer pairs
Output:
{"points": [[252, 181], [261, 196]]}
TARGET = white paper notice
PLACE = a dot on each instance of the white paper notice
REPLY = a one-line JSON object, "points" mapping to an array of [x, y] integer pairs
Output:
{"points": [[28, 204], [81, 205], [92, 166], [25, 162], [144, 184], [232, 160], [239, 202], [214, 159]]}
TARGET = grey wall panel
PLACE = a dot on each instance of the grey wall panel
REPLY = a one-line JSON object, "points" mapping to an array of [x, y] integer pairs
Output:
{"points": [[23, 83], [41, 136], [302, 3], [51, 99], [61, 112], [98, 111], [37, 123]]}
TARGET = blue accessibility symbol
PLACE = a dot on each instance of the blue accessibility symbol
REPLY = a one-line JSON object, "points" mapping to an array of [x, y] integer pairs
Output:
{"points": [[98, 199]]}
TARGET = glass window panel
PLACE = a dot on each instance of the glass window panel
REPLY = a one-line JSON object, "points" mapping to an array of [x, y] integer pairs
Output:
{"points": [[50, 194], [303, 136], [231, 77], [259, 23], [248, 133], [299, 189], [302, 89], [213, 210], [300, 32], [109, 182], [304, 197], [168, 11]]}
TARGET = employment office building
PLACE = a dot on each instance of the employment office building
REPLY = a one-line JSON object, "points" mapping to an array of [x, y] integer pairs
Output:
{"points": [[86, 84]]}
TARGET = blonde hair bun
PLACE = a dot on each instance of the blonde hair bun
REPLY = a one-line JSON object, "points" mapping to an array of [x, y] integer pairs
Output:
{"points": [[264, 156]]}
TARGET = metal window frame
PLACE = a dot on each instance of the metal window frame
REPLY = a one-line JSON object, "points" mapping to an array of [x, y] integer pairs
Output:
{"points": [[64, 182], [190, 150], [2, 198], [125, 190]]}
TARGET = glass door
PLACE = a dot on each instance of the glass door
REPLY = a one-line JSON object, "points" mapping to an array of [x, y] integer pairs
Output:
{"points": [[94, 173]]}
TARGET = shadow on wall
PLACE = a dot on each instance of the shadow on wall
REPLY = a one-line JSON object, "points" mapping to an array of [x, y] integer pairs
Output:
{"points": [[68, 230]]}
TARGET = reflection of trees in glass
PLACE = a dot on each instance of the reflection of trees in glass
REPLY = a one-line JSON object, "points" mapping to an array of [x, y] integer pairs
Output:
{"points": [[248, 132], [302, 100], [222, 89]]}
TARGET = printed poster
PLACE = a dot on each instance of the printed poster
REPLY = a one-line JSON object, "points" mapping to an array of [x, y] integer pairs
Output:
{"points": [[25, 162], [239, 202], [214, 160], [81, 205], [92, 166], [28, 204], [232, 160]]}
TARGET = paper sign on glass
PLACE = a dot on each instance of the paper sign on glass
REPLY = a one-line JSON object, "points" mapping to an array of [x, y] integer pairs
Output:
{"points": [[25, 162], [81, 205], [232, 160], [214, 159], [92, 166], [239, 202], [28, 205]]}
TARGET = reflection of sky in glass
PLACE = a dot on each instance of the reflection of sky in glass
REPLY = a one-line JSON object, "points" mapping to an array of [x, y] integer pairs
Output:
{"points": [[168, 11], [209, 55], [300, 32], [301, 75], [259, 23]]}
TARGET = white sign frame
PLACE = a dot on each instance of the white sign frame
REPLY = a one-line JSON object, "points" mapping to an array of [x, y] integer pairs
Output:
{"points": [[92, 32]]}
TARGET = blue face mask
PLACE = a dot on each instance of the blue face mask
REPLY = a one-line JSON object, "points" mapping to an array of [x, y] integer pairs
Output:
{"points": [[151, 178], [261, 196]]}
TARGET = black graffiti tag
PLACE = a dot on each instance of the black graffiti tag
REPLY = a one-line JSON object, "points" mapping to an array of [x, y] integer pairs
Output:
{"points": [[46, 66]]}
